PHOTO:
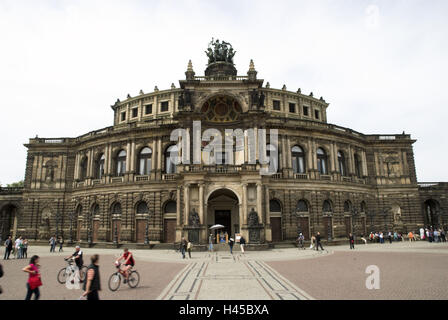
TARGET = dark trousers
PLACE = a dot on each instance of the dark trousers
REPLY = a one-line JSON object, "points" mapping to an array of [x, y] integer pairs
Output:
{"points": [[93, 295], [52, 247], [24, 252], [182, 250], [30, 292], [231, 248], [319, 244], [60, 248], [189, 253], [7, 253], [352, 245]]}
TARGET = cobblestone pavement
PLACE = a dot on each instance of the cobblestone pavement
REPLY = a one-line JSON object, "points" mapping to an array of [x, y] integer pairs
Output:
{"points": [[407, 271]]}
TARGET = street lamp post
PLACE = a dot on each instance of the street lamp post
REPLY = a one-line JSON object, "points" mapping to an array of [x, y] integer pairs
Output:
{"points": [[71, 216], [354, 215], [147, 230], [116, 234]]}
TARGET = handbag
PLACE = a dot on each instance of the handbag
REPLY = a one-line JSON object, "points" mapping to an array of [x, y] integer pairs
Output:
{"points": [[35, 282]]}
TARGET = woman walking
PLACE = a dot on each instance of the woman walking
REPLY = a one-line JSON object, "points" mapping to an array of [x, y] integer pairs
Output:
{"points": [[25, 248], [34, 281]]}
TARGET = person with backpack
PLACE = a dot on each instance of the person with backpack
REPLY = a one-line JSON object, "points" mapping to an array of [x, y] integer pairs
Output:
{"points": [[300, 241], [34, 280]]}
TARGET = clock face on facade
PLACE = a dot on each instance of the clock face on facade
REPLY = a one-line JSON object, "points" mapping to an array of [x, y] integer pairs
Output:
{"points": [[221, 109]]}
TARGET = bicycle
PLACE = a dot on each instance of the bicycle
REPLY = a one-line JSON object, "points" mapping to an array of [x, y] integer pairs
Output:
{"points": [[115, 278], [69, 272]]}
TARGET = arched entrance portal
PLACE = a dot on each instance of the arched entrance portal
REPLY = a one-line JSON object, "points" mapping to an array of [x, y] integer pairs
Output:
{"points": [[431, 209], [223, 208], [7, 221]]}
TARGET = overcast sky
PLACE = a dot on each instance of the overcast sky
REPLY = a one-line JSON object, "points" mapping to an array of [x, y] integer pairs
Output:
{"points": [[381, 65]]}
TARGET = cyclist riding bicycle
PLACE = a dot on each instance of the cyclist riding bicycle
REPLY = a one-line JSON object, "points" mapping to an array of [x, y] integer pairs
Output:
{"points": [[129, 262], [77, 257], [300, 241]]}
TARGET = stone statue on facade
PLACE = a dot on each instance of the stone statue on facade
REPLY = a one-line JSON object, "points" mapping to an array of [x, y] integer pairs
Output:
{"points": [[261, 100], [254, 97], [181, 101], [253, 218], [194, 218]]}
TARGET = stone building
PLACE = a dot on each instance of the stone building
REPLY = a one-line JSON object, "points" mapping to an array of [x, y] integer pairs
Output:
{"points": [[120, 184]]}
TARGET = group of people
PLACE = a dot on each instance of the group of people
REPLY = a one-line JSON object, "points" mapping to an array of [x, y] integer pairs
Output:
{"points": [[186, 246], [429, 234], [54, 241], [315, 242], [19, 248], [92, 284]]}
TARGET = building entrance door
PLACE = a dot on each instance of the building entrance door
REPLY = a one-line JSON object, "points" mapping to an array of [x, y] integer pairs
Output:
{"points": [[169, 230], [140, 230], [276, 227], [224, 217]]}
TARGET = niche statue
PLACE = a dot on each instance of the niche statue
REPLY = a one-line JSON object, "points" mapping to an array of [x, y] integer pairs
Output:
{"points": [[253, 218], [194, 218]]}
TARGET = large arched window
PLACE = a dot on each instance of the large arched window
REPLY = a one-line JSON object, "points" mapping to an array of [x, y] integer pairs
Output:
{"points": [[326, 208], [322, 161], [358, 170], [274, 206], [116, 208], [341, 163], [347, 206], [99, 166], [142, 207], [298, 159], [171, 154], [170, 207], [144, 161], [83, 169], [363, 206], [302, 206], [121, 163]]}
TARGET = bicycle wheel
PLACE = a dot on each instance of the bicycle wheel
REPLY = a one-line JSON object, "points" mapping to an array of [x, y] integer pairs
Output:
{"points": [[83, 273], [134, 279], [114, 281], [62, 276]]}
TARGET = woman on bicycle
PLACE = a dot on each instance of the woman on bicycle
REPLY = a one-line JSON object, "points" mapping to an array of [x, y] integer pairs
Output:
{"points": [[129, 262]]}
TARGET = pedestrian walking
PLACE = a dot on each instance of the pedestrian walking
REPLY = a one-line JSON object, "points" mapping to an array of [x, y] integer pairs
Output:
{"points": [[318, 243], [389, 237], [231, 242], [61, 243], [25, 248], [8, 248], [210, 242], [443, 235], [189, 247], [351, 239], [436, 235], [183, 247], [313, 242], [53, 242], [93, 283], [242, 244], [381, 237], [34, 280], [300, 241]]}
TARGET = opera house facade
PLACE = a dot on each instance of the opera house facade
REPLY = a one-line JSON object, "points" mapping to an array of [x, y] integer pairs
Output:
{"points": [[122, 184]]}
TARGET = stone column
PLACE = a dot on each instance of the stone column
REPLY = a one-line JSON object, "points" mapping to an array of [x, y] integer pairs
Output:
{"points": [[333, 153], [186, 203], [364, 163], [244, 212], [201, 203], [310, 162], [268, 230], [259, 202], [132, 165], [159, 154], [178, 220], [288, 153], [128, 156], [77, 166]]}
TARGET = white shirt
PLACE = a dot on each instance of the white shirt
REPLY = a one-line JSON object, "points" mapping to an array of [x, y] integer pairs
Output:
{"points": [[18, 242]]}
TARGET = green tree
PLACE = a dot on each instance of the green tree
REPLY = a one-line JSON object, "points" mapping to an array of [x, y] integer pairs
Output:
{"points": [[18, 184]]}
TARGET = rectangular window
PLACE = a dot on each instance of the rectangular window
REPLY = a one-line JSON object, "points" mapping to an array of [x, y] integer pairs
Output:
{"points": [[316, 114], [134, 112], [276, 104], [305, 111], [164, 106], [292, 107], [148, 109], [123, 116]]}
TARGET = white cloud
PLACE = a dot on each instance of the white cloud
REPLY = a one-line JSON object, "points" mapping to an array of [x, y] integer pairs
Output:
{"points": [[380, 64]]}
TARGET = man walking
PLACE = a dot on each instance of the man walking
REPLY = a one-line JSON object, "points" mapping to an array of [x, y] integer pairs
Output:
{"points": [[318, 242], [242, 244], [8, 248], [61, 243], [231, 242], [352, 241], [210, 242], [52, 244], [93, 284], [183, 247]]}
